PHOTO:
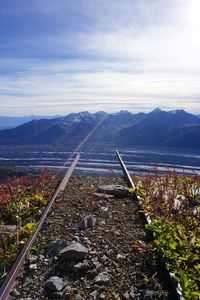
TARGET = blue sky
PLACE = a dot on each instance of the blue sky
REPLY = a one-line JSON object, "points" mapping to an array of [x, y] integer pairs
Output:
{"points": [[62, 56]]}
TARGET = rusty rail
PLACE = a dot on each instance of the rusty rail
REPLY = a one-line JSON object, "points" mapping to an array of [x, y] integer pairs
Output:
{"points": [[9, 282]]}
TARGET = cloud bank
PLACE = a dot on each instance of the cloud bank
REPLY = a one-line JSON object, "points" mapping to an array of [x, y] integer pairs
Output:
{"points": [[58, 56]]}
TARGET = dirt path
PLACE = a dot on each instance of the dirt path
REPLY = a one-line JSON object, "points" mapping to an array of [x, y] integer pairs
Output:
{"points": [[110, 244]]}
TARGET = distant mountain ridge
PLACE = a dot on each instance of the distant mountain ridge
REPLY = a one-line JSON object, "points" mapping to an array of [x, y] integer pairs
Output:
{"points": [[164, 128], [7, 122], [175, 128]]}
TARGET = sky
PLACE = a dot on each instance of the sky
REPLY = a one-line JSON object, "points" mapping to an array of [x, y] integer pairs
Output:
{"points": [[62, 56]]}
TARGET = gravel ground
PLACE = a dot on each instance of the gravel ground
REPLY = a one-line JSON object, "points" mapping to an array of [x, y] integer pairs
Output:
{"points": [[117, 227]]}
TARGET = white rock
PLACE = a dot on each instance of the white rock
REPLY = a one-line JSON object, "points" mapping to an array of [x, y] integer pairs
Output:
{"points": [[87, 222], [102, 278], [55, 284]]}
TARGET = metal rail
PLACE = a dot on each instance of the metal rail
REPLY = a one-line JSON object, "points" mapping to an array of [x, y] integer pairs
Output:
{"points": [[9, 282], [125, 171], [176, 295]]}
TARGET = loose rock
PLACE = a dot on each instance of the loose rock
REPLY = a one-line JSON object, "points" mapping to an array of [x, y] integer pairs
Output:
{"points": [[74, 252], [33, 266], [66, 293], [93, 295], [55, 247], [148, 294], [55, 284], [104, 196], [104, 208], [92, 273], [120, 256], [102, 278], [126, 296], [79, 297], [116, 190], [87, 222], [81, 267]]}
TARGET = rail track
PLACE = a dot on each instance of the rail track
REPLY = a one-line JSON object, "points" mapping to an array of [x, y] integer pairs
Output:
{"points": [[9, 282], [130, 183]]}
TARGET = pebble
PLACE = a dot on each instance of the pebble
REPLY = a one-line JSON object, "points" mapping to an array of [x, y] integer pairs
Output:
{"points": [[103, 195], [104, 208], [94, 259], [32, 258], [149, 294], [93, 295], [41, 257], [15, 293], [120, 256], [87, 222], [76, 238], [33, 266], [81, 267], [66, 293], [102, 223], [91, 273], [93, 252], [55, 284], [102, 278], [79, 297], [104, 258], [97, 264], [126, 296]]}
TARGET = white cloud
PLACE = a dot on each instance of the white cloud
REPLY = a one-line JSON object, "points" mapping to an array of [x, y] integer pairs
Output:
{"points": [[146, 58]]}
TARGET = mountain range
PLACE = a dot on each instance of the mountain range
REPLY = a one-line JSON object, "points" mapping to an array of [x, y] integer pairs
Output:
{"points": [[7, 122], [176, 128]]}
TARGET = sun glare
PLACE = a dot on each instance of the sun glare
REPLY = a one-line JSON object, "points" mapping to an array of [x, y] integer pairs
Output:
{"points": [[194, 12]]}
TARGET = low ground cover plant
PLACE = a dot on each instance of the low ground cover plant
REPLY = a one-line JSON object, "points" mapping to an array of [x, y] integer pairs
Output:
{"points": [[22, 200], [172, 204]]}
